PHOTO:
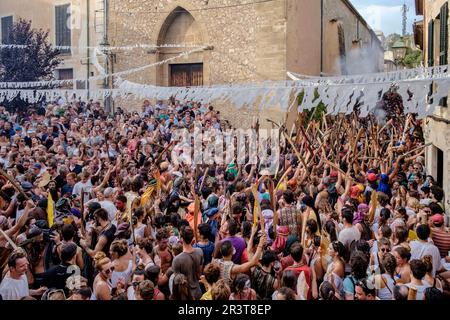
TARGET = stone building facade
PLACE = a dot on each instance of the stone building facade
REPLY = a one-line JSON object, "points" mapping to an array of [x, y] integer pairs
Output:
{"points": [[432, 34], [78, 18], [246, 40]]}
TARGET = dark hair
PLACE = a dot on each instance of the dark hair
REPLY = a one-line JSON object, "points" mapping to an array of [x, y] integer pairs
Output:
{"points": [[359, 264], [312, 226], [367, 288], [187, 234], [226, 248], [288, 196], [389, 264], [145, 244], [288, 293], [68, 251], [339, 248], [237, 209], [386, 231], [239, 283], [246, 229], [385, 214], [121, 198], [330, 228], [423, 231], [68, 232], [363, 246], [433, 294], [327, 291], [297, 252], [212, 273], [138, 213], [152, 273], [268, 257], [403, 253], [161, 234], [435, 208], [402, 234], [418, 269], [289, 279], [437, 192], [317, 240], [102, 214], [400, 292], [233, 227], [204, 230], [347, 214], [146, 290]]}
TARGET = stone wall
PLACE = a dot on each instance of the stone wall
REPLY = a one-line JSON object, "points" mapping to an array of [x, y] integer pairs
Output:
{"points": [[364, 53], [248, 40]]}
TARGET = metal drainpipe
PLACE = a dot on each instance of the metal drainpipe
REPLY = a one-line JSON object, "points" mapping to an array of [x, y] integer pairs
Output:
{"points": [[88, 54], [105, 43], [321, 37]]}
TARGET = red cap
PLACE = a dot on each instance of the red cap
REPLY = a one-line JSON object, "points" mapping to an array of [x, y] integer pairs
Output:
{"points": [[371, 177], [334, 174], [438, 218]]}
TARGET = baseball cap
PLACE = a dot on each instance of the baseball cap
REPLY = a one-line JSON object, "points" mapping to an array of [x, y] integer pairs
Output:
{"points": [[27, 186], [37, 166], [372, 177], [437, 219]]}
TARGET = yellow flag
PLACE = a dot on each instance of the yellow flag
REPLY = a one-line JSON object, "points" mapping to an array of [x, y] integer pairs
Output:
{"points": [[50, 210], [157, 176], [147, 194], [412, 235]]}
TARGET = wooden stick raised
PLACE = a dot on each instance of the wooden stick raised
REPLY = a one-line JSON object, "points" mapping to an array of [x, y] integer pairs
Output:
{"points": [[14, 183]]}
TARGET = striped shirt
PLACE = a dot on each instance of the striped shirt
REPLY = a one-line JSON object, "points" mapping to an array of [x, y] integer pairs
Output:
{"points": [[441, 239]]}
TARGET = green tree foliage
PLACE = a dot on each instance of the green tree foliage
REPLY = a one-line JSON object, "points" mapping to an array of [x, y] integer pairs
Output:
{"points": [[35, 62], [413, 58]]}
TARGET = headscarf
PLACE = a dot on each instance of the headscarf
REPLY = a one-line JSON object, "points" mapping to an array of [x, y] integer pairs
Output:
{"points": [[383, 186], [359, 216]]}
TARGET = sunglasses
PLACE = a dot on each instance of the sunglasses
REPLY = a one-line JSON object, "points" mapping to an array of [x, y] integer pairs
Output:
{"points": [[135, 284], [108, 271], [385, 250]]}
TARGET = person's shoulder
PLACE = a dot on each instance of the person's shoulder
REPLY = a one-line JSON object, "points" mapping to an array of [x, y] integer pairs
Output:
{"points": [[198, 251]]}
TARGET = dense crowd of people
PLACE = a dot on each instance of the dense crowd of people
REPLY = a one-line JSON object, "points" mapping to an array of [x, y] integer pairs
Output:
{"points": [[93, 206]]}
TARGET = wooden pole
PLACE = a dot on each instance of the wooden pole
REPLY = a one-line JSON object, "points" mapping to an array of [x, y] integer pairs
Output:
{"points": [[14, 183]]}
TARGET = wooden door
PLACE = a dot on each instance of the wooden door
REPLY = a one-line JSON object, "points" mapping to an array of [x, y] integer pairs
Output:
{"points": [[186, 75]]}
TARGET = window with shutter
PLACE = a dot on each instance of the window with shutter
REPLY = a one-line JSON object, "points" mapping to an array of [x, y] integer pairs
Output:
{"points": [[62, 31], [443, 35], [431, 43], [7, 24]]}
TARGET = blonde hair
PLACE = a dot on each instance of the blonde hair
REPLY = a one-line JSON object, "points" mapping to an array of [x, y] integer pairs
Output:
{"points": [[100, 259], [221, 290], [413, 203]]}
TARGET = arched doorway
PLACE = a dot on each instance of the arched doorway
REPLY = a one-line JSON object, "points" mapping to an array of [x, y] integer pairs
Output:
{"points": [[180, 27]]}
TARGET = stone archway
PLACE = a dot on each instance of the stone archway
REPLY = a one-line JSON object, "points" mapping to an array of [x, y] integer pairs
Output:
{"points": [[180, 27]]}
